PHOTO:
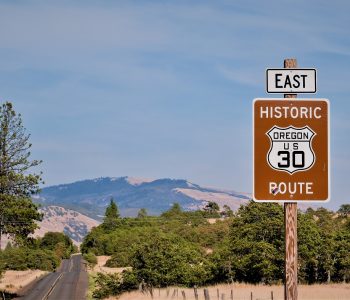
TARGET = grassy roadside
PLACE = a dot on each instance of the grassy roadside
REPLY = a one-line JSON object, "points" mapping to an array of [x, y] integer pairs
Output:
{"points": [[91, 286]]}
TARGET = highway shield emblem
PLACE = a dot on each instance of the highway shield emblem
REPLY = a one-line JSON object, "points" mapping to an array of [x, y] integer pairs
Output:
{"points": [[291, 150]]}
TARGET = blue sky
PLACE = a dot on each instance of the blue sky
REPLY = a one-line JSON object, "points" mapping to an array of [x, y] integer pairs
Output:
{"points": [[164, 88]]}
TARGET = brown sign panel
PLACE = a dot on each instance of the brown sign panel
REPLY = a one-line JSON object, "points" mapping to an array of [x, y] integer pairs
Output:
{"points": [[291, 150]]}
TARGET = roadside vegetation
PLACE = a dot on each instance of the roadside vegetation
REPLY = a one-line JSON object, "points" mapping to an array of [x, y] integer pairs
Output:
{"points": [[18, 214], [43, 253], [181, 248]]}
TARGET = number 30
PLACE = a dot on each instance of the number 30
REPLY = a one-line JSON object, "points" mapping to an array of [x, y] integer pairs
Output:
{"points": [[287, 159]]}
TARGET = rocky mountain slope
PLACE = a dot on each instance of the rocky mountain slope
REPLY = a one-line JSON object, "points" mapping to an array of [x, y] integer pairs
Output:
{"points": [[59, 219], [72, 223], [90, 197]]}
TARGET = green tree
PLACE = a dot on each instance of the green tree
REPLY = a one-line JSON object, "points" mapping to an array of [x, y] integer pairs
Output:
{"points": [[255, 249], [227, 212], [342, 257], [167, 259], [309, 244], [17, 183], [14, 156], [326, 255], [212, 210], [17, 217], [111, 215], [23, 258], [212, 207], [142, 213], [58, 242], [175, 211], [94, 241], [344, 210]]}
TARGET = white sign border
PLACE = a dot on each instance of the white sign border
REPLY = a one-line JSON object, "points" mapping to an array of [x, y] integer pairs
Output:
{"points": [[290, 69], [329, 151]]}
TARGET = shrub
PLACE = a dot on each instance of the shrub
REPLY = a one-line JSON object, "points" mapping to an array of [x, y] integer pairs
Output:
{"points": [[25, 258], [106, 285], [119, 259], [58, 242], [170, 260], [90, 258]]}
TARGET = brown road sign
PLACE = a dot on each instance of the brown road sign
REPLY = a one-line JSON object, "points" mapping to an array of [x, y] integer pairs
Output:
{"points": [[291, 150]]}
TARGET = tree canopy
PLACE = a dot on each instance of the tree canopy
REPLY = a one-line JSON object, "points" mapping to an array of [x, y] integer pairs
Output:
{"points": [[111, 215], [15, 178], [190, 248], [17, 183]]}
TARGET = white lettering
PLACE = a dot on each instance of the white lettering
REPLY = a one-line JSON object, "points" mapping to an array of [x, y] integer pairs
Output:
{"points": [[303, 112], [309, 190], [294, 112], [317, 116], [291, 188], [264, 112]]}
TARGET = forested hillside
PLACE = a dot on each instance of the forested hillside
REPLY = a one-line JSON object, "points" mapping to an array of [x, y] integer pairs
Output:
{"points": [[190, 248]]}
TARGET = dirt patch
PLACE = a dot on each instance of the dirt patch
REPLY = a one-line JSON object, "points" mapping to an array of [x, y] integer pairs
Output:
{"points": [[13, 281], [100, 266]]}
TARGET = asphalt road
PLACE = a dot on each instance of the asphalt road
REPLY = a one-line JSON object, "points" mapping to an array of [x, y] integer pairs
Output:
{"points": [[69, 282]]}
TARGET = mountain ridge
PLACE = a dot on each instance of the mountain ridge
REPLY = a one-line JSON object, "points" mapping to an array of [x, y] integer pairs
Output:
{"points": [[91, 196]]}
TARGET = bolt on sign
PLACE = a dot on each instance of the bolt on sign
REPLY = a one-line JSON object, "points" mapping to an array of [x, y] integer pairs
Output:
{"points": [[291, 150]]}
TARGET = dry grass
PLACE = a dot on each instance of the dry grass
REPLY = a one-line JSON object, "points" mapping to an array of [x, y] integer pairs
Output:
{"points": [[99, 267], [13, 281], [240, 291], [243, 292]]}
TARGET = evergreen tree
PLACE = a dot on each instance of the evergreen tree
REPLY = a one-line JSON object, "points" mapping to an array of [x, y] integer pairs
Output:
{"points": [[111, 215], [14, 156], [17, 212], [142, 213]]}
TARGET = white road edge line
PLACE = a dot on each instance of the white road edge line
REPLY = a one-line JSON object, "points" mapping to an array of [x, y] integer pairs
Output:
{"points": [[52, 287]]}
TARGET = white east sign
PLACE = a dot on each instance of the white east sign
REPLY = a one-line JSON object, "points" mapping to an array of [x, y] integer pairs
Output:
{"points": [[291, 81]]}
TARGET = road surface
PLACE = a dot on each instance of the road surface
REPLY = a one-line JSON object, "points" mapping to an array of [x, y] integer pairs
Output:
{"points": [[69, 282]]}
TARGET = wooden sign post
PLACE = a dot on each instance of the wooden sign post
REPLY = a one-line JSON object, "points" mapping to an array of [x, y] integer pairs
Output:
{"points": [[290, 226], [291, 153]]}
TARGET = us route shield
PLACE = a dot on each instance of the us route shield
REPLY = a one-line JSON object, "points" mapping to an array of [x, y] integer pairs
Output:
{"points": [[291, 149]]}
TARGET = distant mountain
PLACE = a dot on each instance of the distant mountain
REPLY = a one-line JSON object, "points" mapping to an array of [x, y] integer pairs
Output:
{"points": [[72, 223], [59, 219], [90, 197]]}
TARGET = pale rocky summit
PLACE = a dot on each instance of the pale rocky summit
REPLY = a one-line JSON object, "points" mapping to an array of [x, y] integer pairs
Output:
{"points": [[72, 223]]}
